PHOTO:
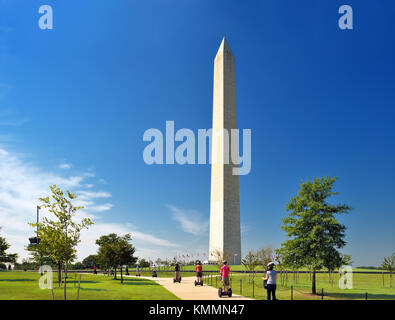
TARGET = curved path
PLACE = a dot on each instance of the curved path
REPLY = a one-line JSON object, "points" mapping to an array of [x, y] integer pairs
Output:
{"points": [[186, 290]]}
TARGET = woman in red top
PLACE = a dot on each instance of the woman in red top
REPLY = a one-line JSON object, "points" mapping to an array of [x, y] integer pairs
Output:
{"points": [[199, 272]]}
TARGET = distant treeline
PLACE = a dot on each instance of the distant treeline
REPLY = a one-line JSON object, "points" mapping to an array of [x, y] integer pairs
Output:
{"points": [[370, 267]]}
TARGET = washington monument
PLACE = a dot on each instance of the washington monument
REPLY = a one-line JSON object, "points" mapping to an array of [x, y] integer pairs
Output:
{"points": [[225, 238]]}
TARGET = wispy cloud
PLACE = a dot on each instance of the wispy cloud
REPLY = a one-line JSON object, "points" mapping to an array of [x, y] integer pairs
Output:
{"points": [[65, 166], [191, 221], [22, 183], [14, 123]]}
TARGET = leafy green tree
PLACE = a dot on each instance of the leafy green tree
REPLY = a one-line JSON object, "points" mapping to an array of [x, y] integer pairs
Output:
{"points": [[143, 264], [346, 259], [107, 252], [115, 251], [313, 233], [389, 265], [40, 254], [62, 234], [90, 261], [6, 257], [125, 252], [332, 261]]}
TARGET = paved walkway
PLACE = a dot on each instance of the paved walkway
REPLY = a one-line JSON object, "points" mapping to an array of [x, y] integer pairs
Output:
{"points": [[186, 290]]}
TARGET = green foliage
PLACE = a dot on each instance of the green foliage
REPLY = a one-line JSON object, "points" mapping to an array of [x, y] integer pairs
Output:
{"points": [[346, 259], [313, 233], [265, 255], [60, 236], [389, 263], [40, 253], [78, 266], [251, 261], [90, 261], [115, 251], [3, 266], [6, 257], [143, 263]]}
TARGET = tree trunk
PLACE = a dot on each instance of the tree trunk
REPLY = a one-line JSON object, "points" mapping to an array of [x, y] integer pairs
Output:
{"points": [[65, 281], [115, 273], [313, 288], [121, 276], [59, 274], [391, 279]]}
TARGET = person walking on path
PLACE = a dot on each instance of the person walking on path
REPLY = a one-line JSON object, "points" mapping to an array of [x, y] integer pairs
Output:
{"points": [[94, 269], [270, 277]]}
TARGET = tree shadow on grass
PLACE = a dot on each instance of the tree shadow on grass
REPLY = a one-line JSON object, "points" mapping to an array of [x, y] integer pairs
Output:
{"points": [[352, 296], [133, 282], [17, 280], [82, 281], [92, 289]]}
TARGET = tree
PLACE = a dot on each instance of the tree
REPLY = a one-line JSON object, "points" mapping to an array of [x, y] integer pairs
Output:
{"points": [[115, 251], [90, 261], [106, 253], [250, 262], [125, 252], [332, 260], [265, 255], [313, 232], [78, 266], [61, 235], [6, 257], [389, 265], [40, 254], [143, 264]]}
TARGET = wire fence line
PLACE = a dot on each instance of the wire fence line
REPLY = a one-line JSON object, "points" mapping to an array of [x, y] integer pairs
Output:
{"points": [[253, 287]]}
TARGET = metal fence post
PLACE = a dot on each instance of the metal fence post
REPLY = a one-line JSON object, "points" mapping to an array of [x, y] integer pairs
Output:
{"points": [[216, 281], [366, 296], [240, 286], [322, 294], [253, 288]]}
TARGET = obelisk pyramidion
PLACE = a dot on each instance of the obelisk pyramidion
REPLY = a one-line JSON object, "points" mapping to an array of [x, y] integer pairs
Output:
{"points": [[225, 238]]}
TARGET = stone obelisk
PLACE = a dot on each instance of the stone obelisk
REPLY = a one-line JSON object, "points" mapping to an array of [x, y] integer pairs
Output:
{"points": [[225, 238]]}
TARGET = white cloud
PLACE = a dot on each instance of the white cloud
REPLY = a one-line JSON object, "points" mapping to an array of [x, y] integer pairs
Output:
{"points": [[190, 221], [101, 208], [21, 184], [65, 166], [88, 246]]}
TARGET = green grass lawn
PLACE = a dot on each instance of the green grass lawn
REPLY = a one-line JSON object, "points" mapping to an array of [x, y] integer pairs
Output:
{"points": [[20, 285], [362, 284]]}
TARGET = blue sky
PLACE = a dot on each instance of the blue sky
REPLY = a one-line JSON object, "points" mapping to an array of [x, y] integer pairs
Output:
{"points": [[75, 102]]}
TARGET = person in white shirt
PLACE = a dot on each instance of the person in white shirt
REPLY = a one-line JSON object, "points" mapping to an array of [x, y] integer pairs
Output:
{"points": [[270, 277]]}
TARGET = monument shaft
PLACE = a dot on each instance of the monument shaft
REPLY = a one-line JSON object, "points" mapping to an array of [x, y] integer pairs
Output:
{"points": [[225, 238]]}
